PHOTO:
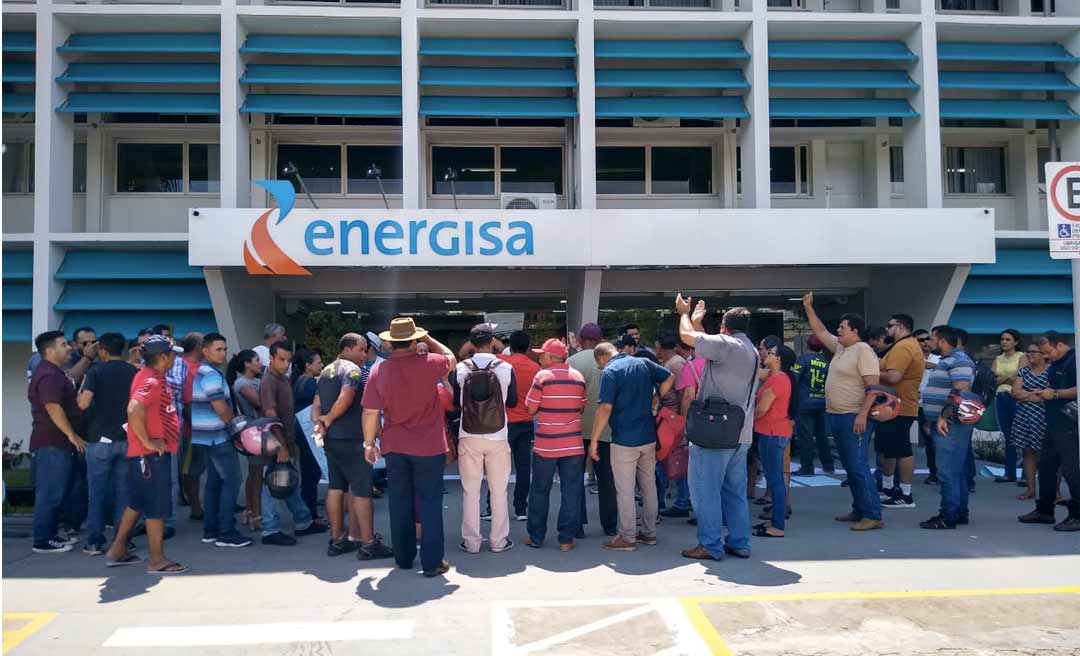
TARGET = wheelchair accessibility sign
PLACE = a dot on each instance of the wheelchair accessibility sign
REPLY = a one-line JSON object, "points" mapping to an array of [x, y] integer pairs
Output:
{"points": [[1063, 209]]}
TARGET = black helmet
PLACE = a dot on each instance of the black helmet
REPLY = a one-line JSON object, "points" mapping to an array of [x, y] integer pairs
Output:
{"points": [[281, 479]]}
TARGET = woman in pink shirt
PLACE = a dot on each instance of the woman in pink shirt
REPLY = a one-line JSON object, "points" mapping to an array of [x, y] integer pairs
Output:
{"points": [[772, 423]]}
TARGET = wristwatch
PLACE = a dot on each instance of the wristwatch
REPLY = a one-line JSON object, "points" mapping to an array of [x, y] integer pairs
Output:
{"points": [[369, 446]]}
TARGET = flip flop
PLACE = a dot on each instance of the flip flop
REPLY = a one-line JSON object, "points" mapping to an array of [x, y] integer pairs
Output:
{"points": [[762, 533], [129, 559], [760, 527], [171, 568]]}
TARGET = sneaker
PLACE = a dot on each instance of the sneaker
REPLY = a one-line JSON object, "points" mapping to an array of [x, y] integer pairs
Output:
{"points": [[209, 539], [521, 517], [899, 501], [619, 544], [1036, 517], [886, 495], [1068, 524], [94, 549], [69, 539], [279, 539], [439, 570], [675, 512], [53, 546], [374, 550], [313, 529], [506, 547], [485, 515], [342, 546], [233, 541], [804, 471], [938, 523], [646, 540]]}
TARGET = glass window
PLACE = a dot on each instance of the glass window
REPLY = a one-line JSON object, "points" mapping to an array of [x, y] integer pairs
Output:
{"points": [[782, 174], [620, 170], [975, 170], [475, 168], [896, 169], [319, 166], [78, 165], [970, 5], [14, 174], [360, 159], [681, 170], [30, 167], [531, 170], [149, 168], [1044, 157], [204, 168]]}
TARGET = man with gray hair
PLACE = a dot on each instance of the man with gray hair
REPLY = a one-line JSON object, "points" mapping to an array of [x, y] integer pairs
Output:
{"points": [[272, 334]]}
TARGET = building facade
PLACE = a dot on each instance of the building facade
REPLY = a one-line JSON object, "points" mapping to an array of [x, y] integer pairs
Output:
{"points": [[885, 153]]}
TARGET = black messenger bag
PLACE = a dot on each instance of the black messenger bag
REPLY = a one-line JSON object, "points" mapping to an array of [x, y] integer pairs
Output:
{"points": [[713, 423]]}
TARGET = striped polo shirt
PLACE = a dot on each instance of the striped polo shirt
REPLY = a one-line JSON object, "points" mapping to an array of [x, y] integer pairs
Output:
{"points": [[558, 396]]}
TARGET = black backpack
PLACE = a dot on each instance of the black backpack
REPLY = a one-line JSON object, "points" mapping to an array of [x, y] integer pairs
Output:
{"points": [[483, 408], [984, 383]]}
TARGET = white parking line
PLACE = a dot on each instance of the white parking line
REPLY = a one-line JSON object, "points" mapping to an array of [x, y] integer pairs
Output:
{"points": [[256, 634]]}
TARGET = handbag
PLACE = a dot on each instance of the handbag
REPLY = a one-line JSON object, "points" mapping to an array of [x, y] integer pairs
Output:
{"points": [[677, 464], [713, 423]]}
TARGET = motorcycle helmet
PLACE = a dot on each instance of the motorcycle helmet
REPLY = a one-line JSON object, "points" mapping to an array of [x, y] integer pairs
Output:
{"points": [[886, 403], [256, 437], [968, 407], [281, 479]]}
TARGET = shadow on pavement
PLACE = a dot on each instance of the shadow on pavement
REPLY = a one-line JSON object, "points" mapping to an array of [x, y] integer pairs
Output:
{"points": [[403, 589]]}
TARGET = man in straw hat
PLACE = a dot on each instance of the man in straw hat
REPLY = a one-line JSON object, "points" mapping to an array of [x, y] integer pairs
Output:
{"points": [[403, 391]]}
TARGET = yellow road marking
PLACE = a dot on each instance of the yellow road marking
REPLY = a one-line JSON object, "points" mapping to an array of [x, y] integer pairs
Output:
{"points": [[35, 623], [705, 629], [897, 594]]}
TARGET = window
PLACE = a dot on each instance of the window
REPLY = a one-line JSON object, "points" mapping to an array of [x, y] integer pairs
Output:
{"points": [[786, 4], [896, 168], [475, 169], [359, 160], [620, 170], [319, 166], [521, 170], [975, 170], [149, 168], [78, 173], [789, 169], [892, 5], [1038, 6], [1044, 157], [16, 167], [531, 170], [681, 170], [657, 4], [969, 5], [204, 163]]}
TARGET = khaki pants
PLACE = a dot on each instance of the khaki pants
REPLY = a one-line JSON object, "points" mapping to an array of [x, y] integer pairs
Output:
{"points": [[630, 465], [475, 456]]}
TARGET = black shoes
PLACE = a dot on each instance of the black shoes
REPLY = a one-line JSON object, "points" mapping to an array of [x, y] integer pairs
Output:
{"points": [[441, 569], [279, 539], [938, 523]]}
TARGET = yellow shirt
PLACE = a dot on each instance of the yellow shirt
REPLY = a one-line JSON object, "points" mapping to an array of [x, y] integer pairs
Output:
{"points": [[1006, 367], [906, 357], [844, 386]]}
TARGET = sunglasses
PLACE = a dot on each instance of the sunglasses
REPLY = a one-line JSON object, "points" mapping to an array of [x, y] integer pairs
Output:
{"points": [[922, 339]]}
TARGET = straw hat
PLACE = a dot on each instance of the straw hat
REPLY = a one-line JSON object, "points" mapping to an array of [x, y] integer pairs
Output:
{"points": [[402, 329]]}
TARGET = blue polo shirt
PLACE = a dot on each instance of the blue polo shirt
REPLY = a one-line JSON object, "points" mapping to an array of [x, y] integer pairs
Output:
{"points": [[628, 384], [1061, 375]]}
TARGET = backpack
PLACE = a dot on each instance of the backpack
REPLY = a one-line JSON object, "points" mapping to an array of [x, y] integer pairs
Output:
{"points": [[483, 408], [984, 383]]}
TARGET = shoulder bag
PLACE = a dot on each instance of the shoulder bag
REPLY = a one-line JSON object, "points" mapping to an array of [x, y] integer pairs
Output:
{"points": [[713, 423]]}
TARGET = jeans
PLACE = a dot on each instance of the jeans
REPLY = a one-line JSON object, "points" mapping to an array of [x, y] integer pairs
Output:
{"points": [[50, 469], [1060, 449], [772, 450], [222, 488], [952, 450], [605, 484], [682, 489], [310, 473], [416, 483], [271, 519], [1006, 410], [107, 478], [571, 496], [811, 429], [722, 470], [521, 436], [854, 450], [76, 498]]}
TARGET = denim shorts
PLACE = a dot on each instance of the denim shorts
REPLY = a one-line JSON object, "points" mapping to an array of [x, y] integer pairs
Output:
{"points": [[150, 480]]}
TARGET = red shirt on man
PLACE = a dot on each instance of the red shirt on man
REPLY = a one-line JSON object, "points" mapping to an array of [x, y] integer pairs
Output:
{"points": [[405, 388], [151, 391], [525, 369], [49, 384], [558, 394]]}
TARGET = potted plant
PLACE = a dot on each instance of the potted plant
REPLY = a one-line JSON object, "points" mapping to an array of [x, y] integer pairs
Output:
{"points": [[18, 488]]}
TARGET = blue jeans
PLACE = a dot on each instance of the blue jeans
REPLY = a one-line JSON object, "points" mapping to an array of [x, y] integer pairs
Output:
{"points": [[854, 450], [222, 488], [722, 470], [682, 489], [952, 452], [812, 433], [76, 498], [107, 477], [1006, 410], [416, 483], [571, 489], [271, 520], [772, 450], [50, 469]]}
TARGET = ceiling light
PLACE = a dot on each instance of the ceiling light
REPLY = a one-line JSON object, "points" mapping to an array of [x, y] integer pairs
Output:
{"points": [[348, 311], [563, 301], [796, 298], [332, 302], [451, 301]]}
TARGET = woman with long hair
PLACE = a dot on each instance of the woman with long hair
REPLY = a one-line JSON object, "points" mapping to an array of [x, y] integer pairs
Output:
{"points": [[308, 365], [773, 413], [1029, 424], [1006, 366], [242, 374]]}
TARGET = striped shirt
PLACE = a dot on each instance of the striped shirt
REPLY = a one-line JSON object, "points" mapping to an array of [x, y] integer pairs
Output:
{"points": [[558, 396], [954, 368], [207, 427]]}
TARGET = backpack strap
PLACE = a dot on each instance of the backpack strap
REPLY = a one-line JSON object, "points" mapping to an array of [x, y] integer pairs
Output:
{"points": [[491, 365], [470, 365]]}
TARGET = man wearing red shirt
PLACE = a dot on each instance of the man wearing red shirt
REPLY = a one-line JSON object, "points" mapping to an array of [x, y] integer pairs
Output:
{"points": [[403, 391], [153, 439], [520, 421]]}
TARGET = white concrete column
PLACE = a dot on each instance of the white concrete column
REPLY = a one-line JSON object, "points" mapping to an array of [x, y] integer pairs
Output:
{"points": [[54, 134], [922, 135], [412, 154], [235, 134], [583, 298], [1068, 133], [876, 186], [243, 304], [1023, 178], [754, 131], [46, 289], [260, 159], [586, 121], [821, 176], [96, 179], [729, 182]]}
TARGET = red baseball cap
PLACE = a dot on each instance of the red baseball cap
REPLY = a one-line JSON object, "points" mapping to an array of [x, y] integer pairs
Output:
{"points": [[555, 347]]}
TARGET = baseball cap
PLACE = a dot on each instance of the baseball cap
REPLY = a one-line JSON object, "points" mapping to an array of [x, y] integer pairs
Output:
{"points": [[482, 333], [555, 347], [160, 344], [373, 340], [591, 331], [626, 340]]}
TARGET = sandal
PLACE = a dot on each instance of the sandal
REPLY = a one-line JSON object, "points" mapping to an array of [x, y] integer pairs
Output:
{"points": [[171, 568], [761, 532], [129, 559], [1025, 496]]}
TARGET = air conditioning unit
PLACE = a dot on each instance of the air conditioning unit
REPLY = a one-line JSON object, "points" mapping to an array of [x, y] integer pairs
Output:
{"points": [[527, 201], [654, 122]]}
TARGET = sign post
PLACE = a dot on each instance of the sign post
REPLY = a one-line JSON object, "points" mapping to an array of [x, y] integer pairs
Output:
{"points": [[1063, 212]]}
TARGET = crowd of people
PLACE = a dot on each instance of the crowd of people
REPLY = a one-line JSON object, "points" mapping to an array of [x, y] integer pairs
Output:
{"points": [[156, 422]]}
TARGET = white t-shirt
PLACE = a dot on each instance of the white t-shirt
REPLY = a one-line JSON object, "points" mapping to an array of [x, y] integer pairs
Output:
{"points": [[503, 371]]}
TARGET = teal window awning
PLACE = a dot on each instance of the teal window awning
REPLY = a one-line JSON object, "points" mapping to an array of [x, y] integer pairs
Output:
{"points": [[1005, 81], [863, 50], [840, 108], [681, 78], [18, 295], [18, 265], [979, 108], [499, 47], [312, 105], [144, 42], [1029, 320], [142, 103], [19, 42], [18, 72], [1016, 262], [328, 75], [1018, 290], [134, 295], [159, 73], [1005, 52], [18, 103], [324, 44], [831, 79], [702, 107], [17, 326], [129, 323], [498, 107], [682, 49], [461, 76], [126, 265]]}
